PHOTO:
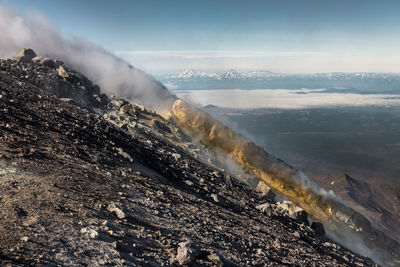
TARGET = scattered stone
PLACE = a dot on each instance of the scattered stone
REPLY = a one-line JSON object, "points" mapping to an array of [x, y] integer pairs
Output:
{"points": [[117, 211], [25, 55], [25, 238]]}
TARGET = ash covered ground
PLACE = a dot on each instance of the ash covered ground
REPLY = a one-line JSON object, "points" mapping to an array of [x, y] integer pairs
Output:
{"points": [[87, 179]]}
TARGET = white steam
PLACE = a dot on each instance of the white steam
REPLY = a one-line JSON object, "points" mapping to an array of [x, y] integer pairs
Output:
{"points": [[111, 73]]}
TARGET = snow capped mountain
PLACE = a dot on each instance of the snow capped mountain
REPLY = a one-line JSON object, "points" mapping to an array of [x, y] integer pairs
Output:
{"points": [[193, 74], [366, 82], [260, 74], [232, 75]]}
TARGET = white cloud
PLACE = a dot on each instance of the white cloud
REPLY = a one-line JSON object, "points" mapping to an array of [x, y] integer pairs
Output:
{"points": [[285, 99]]}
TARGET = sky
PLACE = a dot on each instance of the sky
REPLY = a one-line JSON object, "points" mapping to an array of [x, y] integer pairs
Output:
{"points": [[281, 36]]}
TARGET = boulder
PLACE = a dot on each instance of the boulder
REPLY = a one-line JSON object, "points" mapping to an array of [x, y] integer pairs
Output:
{"points": [[318, 228], [25, 55], [301, 217], [117, 211], [186, 253], [289, 207], [62, 72], [47, 62]]}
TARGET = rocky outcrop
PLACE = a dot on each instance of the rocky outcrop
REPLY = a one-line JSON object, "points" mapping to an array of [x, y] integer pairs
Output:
{"points": [[25, 55], [111, 183], [55, 78]]}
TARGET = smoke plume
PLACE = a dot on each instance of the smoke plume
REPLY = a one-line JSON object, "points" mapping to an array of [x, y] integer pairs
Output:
{"points": [[111, 73]]}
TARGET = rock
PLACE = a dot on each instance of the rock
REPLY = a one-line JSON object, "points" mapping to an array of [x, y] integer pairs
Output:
{"points": [[186, 253], [189, 183], [25, 238], [117, 211], [290, 207], [89, 231], [215, 197], [266, 190], [48, 62], [25, 55], [176, 156], [215, 259], [266, 207], [301, 217], [62, 72], [318, 228]]}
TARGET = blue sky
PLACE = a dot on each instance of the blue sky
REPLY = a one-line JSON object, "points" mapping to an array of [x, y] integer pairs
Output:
{"points": [[293, 36]]}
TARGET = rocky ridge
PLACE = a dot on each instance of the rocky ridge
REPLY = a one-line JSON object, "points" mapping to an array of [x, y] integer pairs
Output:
{"points": [[91, 180]]}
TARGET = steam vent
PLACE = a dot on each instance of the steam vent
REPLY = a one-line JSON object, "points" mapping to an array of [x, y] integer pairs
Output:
{"points": [[344, 223]]}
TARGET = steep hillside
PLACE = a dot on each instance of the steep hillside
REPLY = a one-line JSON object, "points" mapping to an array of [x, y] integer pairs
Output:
{"points": [[89, 180], [378, 201]]}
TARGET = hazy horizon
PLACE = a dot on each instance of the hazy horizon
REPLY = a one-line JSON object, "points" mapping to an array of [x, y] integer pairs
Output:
{"points": [[281, 36]]}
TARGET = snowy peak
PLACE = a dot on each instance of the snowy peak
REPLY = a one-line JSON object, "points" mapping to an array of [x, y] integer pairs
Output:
{"points": [[193, 74], [233, 75]]}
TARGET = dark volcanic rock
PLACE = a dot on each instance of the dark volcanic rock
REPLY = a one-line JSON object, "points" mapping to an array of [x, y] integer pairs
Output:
{"points": [[67, 174], [318, 228], [25, 55]]}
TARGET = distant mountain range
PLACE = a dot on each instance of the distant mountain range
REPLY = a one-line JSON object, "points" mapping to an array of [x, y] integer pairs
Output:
{"points": [[361, 82]]}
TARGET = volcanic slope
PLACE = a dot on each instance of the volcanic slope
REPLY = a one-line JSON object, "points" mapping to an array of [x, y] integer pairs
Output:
{"points": [[89, 180]]}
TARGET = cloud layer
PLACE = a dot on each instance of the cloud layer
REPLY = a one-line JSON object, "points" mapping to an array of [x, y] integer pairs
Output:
{"points": [[285, 99]]}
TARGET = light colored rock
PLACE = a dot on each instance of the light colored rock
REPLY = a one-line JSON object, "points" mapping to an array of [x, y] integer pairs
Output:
{"points": [[90, 232], [189, 183], [290, 207], [186, 253], [215, 259], [25, 55], [264, 207], [62, 72], [265, 190], [176, 156], [215, 197], [117, 211]]}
